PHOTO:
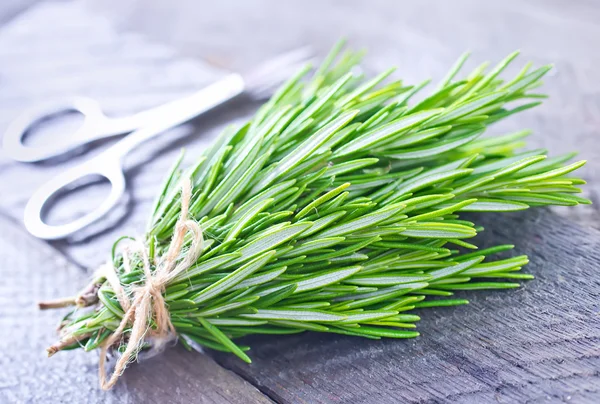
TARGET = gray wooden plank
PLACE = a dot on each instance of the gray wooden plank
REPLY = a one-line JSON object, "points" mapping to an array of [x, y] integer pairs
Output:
{"points": [[422, 38], [540, 343], [31, 271], [546, 364], [11, 8], [91, 55], [126, 73]]}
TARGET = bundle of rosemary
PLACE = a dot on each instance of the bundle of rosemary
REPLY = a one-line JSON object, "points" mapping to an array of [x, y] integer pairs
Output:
{"points": [[335, 209]]}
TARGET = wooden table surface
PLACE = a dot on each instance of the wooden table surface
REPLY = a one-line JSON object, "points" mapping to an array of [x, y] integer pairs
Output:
{"points": [[538, 344]]}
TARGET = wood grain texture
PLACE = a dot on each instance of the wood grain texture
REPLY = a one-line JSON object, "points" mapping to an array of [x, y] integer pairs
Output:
{"points": [[540, 343], [32, 271], [41, 62], [127, 72], [11, 8], [423, 38]]}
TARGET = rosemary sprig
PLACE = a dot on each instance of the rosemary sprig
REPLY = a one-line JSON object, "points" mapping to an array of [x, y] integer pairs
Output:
{"points": [[336, 209]]}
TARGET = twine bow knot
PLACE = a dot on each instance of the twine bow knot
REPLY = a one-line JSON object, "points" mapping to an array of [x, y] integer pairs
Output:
{"points": [[148, 302]]}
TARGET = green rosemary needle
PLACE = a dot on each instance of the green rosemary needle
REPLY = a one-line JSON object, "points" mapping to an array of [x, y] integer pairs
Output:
{"points": [[336, 209]]}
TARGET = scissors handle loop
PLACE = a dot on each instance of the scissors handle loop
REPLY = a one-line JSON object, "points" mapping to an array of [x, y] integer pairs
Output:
{"points": [[108, 164], [74, 178], [91, 129]]}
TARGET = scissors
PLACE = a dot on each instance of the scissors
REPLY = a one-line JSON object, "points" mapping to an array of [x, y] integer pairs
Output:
{"points": [[143, 126]]}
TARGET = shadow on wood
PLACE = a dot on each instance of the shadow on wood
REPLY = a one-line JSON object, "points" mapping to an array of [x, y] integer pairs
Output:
{"points": [[539, 342], [32, 271]]}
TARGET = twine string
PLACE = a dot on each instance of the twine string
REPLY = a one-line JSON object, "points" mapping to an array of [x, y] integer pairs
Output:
{"points": [[147, 301]]}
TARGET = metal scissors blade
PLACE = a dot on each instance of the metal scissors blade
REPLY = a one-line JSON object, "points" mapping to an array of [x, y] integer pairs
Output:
{"points": [[96, 125], [108, 164]]}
